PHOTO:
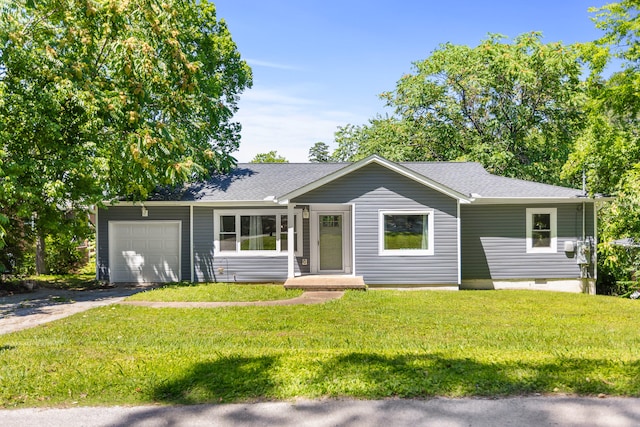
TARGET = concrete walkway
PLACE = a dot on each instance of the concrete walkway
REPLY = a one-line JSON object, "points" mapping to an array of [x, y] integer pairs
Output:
{"points": [[316, 297], [22, 311], [522, 411]]}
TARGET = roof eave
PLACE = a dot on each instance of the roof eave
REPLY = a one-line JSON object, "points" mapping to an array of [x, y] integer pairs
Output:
{"points": [[249, 203], [529, 200]]}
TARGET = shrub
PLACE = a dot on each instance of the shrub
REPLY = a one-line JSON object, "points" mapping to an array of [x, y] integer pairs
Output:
{"points": [[63, 255]]}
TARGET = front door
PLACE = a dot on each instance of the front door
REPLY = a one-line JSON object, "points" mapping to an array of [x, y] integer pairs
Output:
{"points": [[330, 242]]}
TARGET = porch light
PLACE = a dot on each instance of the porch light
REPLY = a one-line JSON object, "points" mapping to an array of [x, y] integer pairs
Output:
{"points": [[305, 213]]}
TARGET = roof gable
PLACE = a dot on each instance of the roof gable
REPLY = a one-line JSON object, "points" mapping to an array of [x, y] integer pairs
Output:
{"points": [[395, 167]]}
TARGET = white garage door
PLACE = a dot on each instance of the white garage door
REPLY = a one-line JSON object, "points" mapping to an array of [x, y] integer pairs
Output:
{"points": [[146, 251]]}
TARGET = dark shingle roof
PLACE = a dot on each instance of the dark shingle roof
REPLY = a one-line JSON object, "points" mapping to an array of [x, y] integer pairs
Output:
{"points": [[261, 181], [471, 178], [257, 181]]}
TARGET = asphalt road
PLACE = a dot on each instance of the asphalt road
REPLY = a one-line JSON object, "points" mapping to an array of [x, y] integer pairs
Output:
{"points": [[527, 411]]}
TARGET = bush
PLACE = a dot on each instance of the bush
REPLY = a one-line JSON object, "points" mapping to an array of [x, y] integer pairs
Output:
{"points": [[63, 255], [624, 288]]}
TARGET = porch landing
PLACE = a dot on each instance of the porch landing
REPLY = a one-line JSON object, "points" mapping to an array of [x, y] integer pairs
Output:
{"points": [[325, 283]]}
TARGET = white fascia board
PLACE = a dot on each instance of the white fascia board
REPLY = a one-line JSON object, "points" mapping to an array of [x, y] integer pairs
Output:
{"points": [[382, 162], [529, 200]]}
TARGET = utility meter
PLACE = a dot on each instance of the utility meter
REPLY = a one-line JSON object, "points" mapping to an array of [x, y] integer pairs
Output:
{"points": [[583, 252]]}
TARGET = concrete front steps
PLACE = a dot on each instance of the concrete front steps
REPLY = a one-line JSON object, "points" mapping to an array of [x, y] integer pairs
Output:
{"points": [[325, 283]]}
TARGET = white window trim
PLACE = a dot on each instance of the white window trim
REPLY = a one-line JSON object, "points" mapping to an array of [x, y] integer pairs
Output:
{"points": [[553, 248], [405, 252], [244, 212]]}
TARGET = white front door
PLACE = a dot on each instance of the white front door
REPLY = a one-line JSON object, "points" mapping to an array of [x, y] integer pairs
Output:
{"points": [[330, 242], [331, 235]]}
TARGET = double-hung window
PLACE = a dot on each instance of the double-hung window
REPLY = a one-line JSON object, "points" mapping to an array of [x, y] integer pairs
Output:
{"points": [[406, 233], [542, 230], [255, 232]]}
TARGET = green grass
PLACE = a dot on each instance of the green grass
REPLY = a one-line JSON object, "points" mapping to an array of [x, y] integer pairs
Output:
{"points": [[403, 240], [374, 344], [216, 292]]}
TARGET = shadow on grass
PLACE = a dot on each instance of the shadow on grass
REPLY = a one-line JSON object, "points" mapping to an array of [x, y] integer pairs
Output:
{"points": [[374, 376], [225, 380]]}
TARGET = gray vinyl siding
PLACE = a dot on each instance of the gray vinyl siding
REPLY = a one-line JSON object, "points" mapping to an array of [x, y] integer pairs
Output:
{"points": [[374, 188], [203, 259], [494, 242], [133, 213], [210, 267]]}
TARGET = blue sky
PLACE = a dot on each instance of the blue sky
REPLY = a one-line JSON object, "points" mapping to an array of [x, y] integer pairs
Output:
{"points": [[318, 65]]}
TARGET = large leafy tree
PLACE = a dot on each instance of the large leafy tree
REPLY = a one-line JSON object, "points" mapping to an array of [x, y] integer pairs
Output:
{"points": [[269, 157], [319, 153], [609, 149], [103, 98], [515, 107]]}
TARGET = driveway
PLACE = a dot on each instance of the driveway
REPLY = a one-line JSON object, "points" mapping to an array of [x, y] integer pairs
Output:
{"points": [[22, 311]]}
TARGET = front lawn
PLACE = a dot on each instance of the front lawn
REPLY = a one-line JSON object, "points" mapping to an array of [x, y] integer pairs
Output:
{"points": [[216, 292], [372, 344]]}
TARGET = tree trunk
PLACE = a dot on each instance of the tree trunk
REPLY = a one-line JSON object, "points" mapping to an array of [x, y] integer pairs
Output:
{"points": [[41, 262]]}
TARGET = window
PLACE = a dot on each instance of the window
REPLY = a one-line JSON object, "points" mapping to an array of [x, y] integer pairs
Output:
{"points": [[406, 233], [255, 232], [541, 230]]}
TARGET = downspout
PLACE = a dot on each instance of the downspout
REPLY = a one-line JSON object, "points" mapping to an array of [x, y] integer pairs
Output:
{"points": [[192, 269], [97, 245], [459, 245], [584, 193]]}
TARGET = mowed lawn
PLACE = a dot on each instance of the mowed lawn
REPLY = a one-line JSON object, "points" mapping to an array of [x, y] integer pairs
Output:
{"points": [[373, 344]]}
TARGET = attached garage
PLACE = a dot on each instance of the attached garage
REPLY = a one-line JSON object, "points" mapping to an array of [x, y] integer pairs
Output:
{"points": [[144, 251]]}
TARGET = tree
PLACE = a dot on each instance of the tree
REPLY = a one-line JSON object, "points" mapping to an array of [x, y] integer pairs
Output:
{"points": [[319, 153], [514, 107], [3, 220], [609, 148], [270, 157], [107, 99]]}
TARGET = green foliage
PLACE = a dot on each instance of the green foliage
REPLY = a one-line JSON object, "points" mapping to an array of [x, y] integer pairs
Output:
{"points": [[375, 344], [514, 107], [17, 255], [609, 148], [63, 255], [61, 247], [625, 288], [270, 157], [3, 221], [319, 153], [140, 93], [104, 99]]}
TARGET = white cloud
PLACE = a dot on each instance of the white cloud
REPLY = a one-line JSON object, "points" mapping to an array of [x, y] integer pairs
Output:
{"points": [[268, 64], [284, 121]]}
